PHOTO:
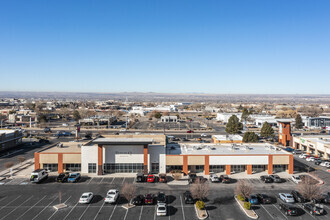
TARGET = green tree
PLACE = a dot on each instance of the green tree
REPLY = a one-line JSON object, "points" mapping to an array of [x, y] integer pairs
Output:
{"points": [[267, 131], [250, 137], [245, 114], [76, 115], [299, 122], [157, 115], [234, 126]]}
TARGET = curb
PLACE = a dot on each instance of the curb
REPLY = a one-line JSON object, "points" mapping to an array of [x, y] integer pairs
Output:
{"points": [[321, 182], [201, 218], [123, 206], [245, 210]]}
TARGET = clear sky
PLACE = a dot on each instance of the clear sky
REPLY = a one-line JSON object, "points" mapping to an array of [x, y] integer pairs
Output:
{"points": [[229, 46]]}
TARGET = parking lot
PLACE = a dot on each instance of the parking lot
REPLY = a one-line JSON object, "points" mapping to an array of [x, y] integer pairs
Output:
{"points": [[20, 199]]}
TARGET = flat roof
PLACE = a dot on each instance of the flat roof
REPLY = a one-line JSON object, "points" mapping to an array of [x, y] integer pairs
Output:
{"points": [[123, 141], [235, 137], [325, 139], [7, 131], [224, 149], [67, 147]]}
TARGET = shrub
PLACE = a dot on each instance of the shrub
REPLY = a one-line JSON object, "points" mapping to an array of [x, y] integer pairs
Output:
{"points": [[177, 176], [240, 197], [247, 205], [200, 205]]}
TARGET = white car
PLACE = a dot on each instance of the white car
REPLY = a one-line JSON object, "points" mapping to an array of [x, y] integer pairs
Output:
{"points": [[86, 197], [203, 135], [325, 164], [161, 209], [296, 178], [123, 130], [303, 155], [310, 158], [112, 196], [214, 178], [286, 197], [65, 125], [297, 151]]}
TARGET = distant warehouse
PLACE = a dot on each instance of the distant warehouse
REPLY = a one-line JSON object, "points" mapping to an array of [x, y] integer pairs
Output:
{"points": [[10, 139]]}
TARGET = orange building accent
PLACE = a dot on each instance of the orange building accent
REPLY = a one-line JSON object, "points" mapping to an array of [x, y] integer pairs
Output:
{"points": [[290, 168], [99, 160], [228, 169], [284, 136], [249, 169], [185, 164], [207, 165], [270, 164], [36, 161], [145, 159], [60, 163]]}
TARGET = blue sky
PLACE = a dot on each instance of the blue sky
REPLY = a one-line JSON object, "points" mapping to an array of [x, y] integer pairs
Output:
{"points": [[232, 46]]}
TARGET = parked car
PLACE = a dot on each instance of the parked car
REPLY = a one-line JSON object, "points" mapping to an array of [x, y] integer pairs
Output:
{"points": [[276, 178], [112, 196], [266, 179], [38, 175], [310, 159], [63, 133], [188, 199], [253, 199], [162, 178], [139, 178], [65, 124], [62, 177], [317, 161], [204, 135], [47, 130], [86, 198], [288, 209], [326, 198], [74, 177], [161, 198], [297, 196], [151, 178], [303, 156], [296, 178], [161, 209], [264, 199], [297, 151], [286, 197], [149, 199], [325, 164], [214, 178], [192, 177], [138, 200], [225, 179], [314, 209], [190, 131], [44, 141]]}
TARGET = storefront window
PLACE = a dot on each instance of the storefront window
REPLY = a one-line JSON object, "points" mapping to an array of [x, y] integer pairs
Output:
{"points": [[123, 168], [74, 167], [92, 168], [173, 168], [51, 167], [279, 168], [237, 168], [258, 168], [217, 168]]}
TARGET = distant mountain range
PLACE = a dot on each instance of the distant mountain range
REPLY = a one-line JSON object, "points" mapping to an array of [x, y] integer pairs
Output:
{"points": [[175, 97]]}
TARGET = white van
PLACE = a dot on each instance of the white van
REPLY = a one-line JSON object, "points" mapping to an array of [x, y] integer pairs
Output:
{"points": [[38, 175]]}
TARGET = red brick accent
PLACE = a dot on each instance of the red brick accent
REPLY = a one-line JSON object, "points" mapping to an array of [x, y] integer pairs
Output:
{"points": [[145, 159], [99, 160], [207, 165], [249, 169], [228, 169], [60, 163], [36, 161], [290, 168], [270, 164], [185, 164]]}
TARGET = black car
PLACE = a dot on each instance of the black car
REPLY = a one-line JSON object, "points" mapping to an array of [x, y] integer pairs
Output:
{"points": [[317, 161], [188, 199], [140, 178], [225, 179], [47, 130], [276, 178], [62, 177], [138, 200], [264, 199], [297, 196], [313, 209], [266, 179], [161, 198], [288, 209], [324, 198]]}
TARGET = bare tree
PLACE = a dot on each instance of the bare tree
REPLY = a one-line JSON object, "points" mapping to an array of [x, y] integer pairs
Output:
{"points": [[243, 188], [309, 189], [21, 159], [199, 190], [128, 191], [9, 165]]}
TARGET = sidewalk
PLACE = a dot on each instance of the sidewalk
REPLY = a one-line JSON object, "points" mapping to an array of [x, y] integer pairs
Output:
{"points": [[17, 168]]}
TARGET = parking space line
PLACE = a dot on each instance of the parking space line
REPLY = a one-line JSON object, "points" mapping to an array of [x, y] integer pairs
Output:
{"points": [[16, 208], [85, 210], [113, 180], [99, 210], [10, 202], [3, 198], [70, 211], [123, 181], [57, 210], [44, 208], [31, 208], [184, 217], [113, 211], [126, 214], [141, 212], [155, 213], [280, 211], [267, 211], [90, 180], [102, 179]]}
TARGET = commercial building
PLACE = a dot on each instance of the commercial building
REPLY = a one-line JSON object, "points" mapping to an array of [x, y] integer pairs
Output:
{"points": [[318, 145], [317, 122], [169, 119], [10, 139], [284, 132], [225, 139]]}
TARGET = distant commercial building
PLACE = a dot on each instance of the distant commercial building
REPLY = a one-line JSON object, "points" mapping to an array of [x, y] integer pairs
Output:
{"points": [[225, 139], [224, 117], [169, 119], [318, 145], [10, 139], [317, 122], [98, 120]]}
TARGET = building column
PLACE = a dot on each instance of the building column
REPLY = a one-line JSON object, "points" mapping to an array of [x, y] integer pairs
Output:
{"points": [[290, 166], [60, 163], [36, 161], [99, 160], [270, 164], [145, 159], [185, 164], [249, 169], [207, 165], [228, 169]]}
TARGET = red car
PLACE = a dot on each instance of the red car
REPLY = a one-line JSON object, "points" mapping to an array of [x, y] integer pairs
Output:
{"points": [[149, 199], [151, 178], [190, 131]]}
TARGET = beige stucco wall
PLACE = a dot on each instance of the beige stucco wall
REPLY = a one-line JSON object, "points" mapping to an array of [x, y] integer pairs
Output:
{"points": [[174, 160], [196, 160], [71, 158], [281, 159], [48, 158]]}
